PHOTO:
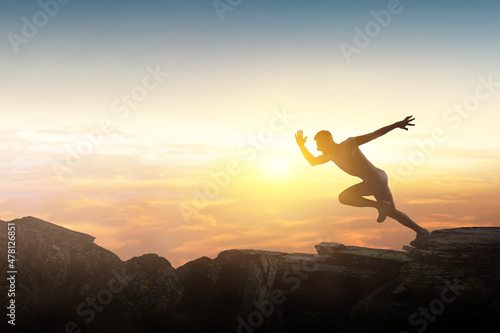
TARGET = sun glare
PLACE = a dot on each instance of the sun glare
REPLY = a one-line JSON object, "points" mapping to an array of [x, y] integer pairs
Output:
{"points": [[276, 168]]}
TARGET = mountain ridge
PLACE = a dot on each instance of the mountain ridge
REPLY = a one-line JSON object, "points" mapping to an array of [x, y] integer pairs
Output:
{"points": [[64, 278]]}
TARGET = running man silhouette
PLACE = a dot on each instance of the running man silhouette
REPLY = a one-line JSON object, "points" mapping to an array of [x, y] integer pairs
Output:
{"points": [[348, 157]]}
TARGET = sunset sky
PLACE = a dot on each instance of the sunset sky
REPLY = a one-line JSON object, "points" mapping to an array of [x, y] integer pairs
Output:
{"points": [[168, 126]]}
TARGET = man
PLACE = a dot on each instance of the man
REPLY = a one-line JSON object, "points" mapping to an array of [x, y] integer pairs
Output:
{"points": [[348, 157]]}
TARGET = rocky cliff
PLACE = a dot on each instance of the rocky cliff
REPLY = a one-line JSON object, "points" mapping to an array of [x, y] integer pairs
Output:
{"points": [[66, 283]]}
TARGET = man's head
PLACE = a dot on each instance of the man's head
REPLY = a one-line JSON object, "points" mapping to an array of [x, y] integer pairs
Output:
{"points": [[324, 140]]}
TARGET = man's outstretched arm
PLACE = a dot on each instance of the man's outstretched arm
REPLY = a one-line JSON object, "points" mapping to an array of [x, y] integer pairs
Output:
{"points": [[362, 139], [307, 155]]}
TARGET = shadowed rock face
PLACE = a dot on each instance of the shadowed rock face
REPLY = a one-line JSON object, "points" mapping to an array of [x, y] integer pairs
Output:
{"points": [[466, 260], [64, 277], [471, 255], [451, 285], [241, 286]]}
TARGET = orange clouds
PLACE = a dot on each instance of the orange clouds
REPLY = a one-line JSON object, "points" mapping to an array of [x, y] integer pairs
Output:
{"points": [[129, 200]]}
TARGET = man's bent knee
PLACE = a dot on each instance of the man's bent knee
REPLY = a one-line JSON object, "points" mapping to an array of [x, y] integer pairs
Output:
{"points": [[344, 198]]}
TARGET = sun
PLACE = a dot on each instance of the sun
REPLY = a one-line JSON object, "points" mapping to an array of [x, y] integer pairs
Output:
{"points": [[275, 168]]}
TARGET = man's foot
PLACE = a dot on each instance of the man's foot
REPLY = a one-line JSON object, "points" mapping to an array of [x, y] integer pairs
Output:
{"points": [[420, 238], [383, 211]]}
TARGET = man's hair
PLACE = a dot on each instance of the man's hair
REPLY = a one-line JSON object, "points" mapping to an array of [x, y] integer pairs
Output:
{"points": [[323, 135]]}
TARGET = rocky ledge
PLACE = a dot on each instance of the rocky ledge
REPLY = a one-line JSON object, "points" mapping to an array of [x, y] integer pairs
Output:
{"points": [[66, 283]]}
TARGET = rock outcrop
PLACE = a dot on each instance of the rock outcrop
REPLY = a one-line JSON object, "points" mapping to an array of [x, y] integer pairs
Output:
{"points": [[249, 284], [471, 255], [63, 277], [450, 283], [457, 272]]}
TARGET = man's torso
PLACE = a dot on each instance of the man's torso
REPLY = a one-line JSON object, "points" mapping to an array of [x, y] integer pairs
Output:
{"points": [[350, 159]]}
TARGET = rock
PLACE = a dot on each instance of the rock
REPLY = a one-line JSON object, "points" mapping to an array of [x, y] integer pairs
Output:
{"points": [[327, 248], [54, 267], [453, 276], [368, 257], [240, 286], [220, 291], [459, 269], [471, 255], [371, 313], [64, 277], [198, 277], [334, 283], [154, 288], [459, 239]]}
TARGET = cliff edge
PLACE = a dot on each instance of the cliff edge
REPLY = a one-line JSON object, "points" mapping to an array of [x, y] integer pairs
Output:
{"points": [[66, 283]]}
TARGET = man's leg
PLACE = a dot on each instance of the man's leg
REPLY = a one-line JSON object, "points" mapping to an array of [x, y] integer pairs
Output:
{"points": [[353, 196], [400, 216]]}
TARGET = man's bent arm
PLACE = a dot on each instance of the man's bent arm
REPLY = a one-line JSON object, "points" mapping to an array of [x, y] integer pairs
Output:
{"points": [[311, 158], [299, 138]]}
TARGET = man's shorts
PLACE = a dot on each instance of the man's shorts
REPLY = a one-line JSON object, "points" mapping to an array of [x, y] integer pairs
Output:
{"points": [[376, 185]]}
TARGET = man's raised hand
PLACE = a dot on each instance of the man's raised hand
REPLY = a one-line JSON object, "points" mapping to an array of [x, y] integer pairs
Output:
{"points": [[299, 138], [406, 122]]}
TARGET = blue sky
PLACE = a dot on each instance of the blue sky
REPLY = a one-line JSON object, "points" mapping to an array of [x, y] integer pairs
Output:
{"points": [[92, 48]]}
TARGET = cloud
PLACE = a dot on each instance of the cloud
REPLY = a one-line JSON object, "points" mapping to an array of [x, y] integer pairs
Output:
{"points": [[128, 198], [431, 201]]}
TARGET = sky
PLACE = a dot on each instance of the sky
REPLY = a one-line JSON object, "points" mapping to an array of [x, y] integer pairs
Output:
{"points": [[168, 126]]}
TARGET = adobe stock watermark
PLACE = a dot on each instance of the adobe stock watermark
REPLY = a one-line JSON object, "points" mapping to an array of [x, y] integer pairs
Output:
{"points": [[265, 308], [31, 27], [247, 150], [87, 309], [453, 118], [223, 6], [122, 107], [373, 28], [421, 318]]}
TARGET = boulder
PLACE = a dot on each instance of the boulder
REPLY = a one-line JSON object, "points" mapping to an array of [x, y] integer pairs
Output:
{"points": [[63, 277], [450, 285], [469, 255], [252, 289], [220, 293]]}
